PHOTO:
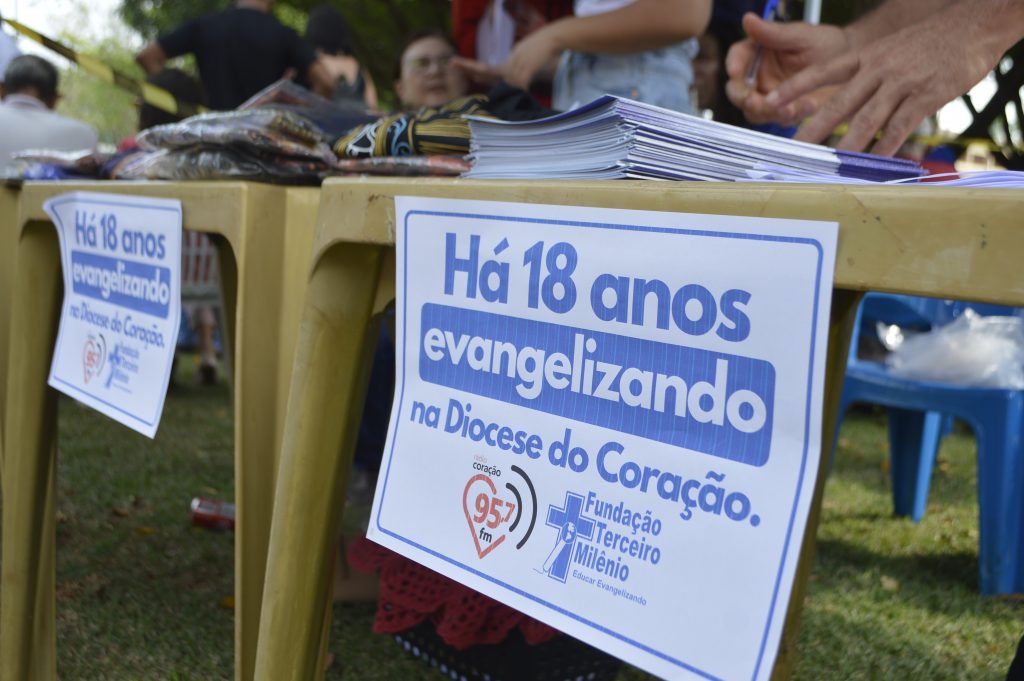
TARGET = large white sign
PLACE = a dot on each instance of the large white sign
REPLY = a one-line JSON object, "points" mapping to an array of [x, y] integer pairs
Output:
{"points": [[122, 303], [610, 420]]}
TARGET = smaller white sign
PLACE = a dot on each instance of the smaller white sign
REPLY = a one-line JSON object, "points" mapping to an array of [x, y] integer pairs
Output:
{"points": [[121, 257]]}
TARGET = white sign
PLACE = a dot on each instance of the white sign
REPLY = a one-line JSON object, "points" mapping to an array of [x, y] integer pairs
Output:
{"points": [[122, 303], [610, 420]]}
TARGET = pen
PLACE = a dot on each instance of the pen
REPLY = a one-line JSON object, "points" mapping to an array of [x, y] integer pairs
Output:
{"points": [[771, 10]]}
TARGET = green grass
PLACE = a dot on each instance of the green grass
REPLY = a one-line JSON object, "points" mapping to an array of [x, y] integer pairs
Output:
{"points": [[889, 599], [141, 591]]}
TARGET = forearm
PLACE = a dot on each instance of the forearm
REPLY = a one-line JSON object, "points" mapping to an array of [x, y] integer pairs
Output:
{"points": [[988, 27], [892, 16], [641, 26], [152, 58], [320, 80]]}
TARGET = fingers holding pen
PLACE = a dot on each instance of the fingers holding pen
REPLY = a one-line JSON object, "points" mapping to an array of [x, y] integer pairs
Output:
{"points": [[748, 96], [788, 50]]}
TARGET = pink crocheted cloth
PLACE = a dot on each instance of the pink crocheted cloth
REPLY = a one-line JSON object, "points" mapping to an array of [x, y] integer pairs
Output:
{"points": [[411, 593]]}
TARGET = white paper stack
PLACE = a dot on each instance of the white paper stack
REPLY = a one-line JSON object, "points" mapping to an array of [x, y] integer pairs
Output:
{"points": [[614, 137]]}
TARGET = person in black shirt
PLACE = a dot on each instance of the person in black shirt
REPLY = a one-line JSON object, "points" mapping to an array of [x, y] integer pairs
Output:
{"points": [[240, 51], [328, 34]]}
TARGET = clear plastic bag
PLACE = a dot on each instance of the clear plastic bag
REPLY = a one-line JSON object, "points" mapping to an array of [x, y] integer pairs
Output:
{"points": [[215, 162], [984, 352], [270, 131]]}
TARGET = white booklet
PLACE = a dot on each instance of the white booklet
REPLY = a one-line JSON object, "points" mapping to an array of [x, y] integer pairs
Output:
{"points": [[613, 137]]}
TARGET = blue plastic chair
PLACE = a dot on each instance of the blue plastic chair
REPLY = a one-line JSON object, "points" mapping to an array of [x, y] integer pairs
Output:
{"points": [[918, 417]]}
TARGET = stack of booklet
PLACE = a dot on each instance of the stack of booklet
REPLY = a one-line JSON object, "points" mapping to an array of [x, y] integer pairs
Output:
{"points": [[614, 137]]}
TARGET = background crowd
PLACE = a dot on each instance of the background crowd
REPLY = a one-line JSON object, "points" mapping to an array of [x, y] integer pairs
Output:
{"points": [[883, 74]]}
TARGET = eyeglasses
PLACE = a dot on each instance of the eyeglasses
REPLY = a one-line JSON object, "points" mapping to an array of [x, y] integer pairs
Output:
{"points": [[423, 64]]}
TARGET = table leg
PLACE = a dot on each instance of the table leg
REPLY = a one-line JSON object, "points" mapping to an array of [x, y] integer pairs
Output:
{"points": [[316, 456], [844, 312], [27, 609], [8, 246]]}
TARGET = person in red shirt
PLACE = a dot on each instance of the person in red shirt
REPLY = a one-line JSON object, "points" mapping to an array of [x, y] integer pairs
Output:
{"points": [[485, 30]]}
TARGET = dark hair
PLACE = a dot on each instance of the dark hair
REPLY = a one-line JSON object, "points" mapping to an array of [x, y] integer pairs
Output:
{"points": [[327, 30], [416, 37], [30, 71], [184, 87]]}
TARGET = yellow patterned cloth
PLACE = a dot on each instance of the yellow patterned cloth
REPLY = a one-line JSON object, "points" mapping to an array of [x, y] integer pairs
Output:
{"points": [[426, 132]]}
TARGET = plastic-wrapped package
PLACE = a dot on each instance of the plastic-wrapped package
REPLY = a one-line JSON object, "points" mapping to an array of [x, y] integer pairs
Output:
{"points": [[82, 158], [218, 162], [408, 166], [288, 92], [50, 164], [268, 130], [334, 120], [211, 163], [985, 352]]}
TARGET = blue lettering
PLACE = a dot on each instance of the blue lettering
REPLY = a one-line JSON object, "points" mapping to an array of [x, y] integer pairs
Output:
{"points": [[619, 286], [605, 474], [731, 310], [641, 289], [453, 264], [708, 310]]}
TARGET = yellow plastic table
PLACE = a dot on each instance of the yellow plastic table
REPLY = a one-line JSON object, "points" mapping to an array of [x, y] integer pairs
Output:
{"points": [[945, 242], [264, 234]]}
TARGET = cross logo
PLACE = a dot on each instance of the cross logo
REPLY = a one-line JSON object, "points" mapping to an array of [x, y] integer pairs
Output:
{"points": [[571, 524]]}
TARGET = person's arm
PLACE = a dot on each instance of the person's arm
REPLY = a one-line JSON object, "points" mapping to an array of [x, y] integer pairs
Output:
{"points": [[320, 79], [302, 58], [638, 27], [892, 83], [890, 17], [181, 40], [152, 58]]}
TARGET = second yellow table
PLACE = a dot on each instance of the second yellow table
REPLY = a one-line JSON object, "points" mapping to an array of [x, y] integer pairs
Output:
{"points": [[264, 234]]}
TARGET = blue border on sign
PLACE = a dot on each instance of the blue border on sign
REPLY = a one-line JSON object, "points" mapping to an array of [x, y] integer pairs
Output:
{"points": [[60, 332], [807, 419]]}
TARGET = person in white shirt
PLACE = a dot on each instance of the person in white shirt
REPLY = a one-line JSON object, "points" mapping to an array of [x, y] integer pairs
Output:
{"points": [[27, 119], [640, 49]]}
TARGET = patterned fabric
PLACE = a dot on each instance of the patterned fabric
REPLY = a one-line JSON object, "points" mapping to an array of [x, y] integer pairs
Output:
{"points": [[411, 594], [427, 132], [438, 165]]}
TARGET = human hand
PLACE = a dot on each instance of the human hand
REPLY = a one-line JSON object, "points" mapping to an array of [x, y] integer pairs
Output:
{"points": [[891, 84], [786, 50], [477, 71], [531, 54]]}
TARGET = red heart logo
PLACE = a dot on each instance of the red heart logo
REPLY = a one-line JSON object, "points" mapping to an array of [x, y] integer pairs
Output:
{"points": [[93, 356], [482, 524]]}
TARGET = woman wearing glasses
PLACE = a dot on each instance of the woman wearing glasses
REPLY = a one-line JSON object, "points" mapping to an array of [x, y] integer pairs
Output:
{"points": [[425, 76]]}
